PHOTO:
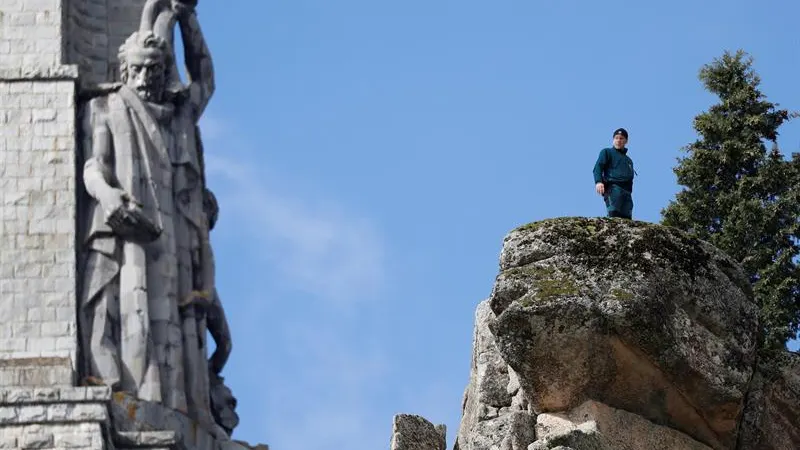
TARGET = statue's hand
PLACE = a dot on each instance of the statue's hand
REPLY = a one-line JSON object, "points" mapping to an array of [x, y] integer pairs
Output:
{"points": [[113, 201], [183, 8], [126, 218]]}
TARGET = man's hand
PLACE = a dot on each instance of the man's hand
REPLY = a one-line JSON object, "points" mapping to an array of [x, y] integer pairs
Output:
{"points": [[600, 188]]}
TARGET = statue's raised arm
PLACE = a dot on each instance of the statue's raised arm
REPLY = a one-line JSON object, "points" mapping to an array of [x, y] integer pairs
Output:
{"points": [[197, 58]]}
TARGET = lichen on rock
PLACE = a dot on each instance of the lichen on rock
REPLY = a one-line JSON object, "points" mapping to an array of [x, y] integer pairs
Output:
{"points": [[638, 316], [607, 334]]}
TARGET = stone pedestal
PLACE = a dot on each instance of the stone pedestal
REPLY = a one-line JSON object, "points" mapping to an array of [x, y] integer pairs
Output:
{"points": [[57, 417]]}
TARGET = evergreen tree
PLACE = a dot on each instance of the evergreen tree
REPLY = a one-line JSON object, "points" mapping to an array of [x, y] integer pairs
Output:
{"points": [[741, 197]]}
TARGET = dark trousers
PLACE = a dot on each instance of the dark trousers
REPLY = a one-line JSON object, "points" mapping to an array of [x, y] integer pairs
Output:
{"points": [[619, 202]]}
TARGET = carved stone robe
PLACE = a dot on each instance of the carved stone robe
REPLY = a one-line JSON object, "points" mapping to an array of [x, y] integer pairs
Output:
{"points": [[124, 287], [132, 329]]}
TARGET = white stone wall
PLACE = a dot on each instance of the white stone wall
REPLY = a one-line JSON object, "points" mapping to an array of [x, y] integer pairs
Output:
{"points": [[78, 436], [53, 418], [37, 218], [37, 261], [42, 35], [37, 196], [31, 33]]}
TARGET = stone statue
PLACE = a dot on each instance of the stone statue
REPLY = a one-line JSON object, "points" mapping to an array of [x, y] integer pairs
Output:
{"points": [[146, 268], [223, 404], [126, 176]]}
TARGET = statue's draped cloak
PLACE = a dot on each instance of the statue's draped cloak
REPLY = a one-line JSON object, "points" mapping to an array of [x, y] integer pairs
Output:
{"points": [[155, 160]]}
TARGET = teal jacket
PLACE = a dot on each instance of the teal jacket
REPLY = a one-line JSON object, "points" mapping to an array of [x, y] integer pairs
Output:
{"points": [[615, 167]]}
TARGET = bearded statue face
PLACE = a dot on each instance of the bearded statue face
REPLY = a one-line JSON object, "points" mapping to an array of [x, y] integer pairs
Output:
{"points": [[143, 66]]}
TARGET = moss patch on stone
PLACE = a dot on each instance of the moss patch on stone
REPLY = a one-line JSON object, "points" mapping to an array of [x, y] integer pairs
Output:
{"points": [[547, 283], [622, 295], [559, 287], [619, 244]]}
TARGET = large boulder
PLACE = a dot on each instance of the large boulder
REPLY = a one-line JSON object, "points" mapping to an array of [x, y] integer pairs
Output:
{"points": [[637, 316]]}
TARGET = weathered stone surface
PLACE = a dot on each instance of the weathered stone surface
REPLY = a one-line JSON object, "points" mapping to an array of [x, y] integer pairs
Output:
{"points": [[772, 416], [37, 201], [410, 432], [489, 379], [83, 436], [36, 375], [63, 394], [613, 428], [638, 316], [145, 438], [33, 39], [23, 406], [510, 430], [37, 440], [493, 411], [564, 435], [134, 415]]}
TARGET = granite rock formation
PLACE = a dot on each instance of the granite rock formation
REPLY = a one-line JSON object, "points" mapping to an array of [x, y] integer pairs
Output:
{"points": [[613, 334]]}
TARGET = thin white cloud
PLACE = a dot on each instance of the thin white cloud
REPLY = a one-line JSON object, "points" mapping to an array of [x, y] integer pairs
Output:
{"points": [[312, 377], [319, 248]]}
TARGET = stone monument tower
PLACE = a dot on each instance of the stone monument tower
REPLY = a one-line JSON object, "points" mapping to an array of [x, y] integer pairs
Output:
{"points": [[87, 333]]}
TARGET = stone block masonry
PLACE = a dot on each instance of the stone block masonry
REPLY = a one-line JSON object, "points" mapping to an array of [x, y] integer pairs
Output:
{"points": [[54, 418], [75, 418], [96, 29], [31, 33], [37, 223], [39, 39]]}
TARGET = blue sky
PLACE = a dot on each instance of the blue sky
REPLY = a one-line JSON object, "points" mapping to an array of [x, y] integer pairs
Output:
{"points": [[370, 156]]}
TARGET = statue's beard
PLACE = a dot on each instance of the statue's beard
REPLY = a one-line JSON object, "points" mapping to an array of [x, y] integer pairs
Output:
{"points": [[149, 93]]}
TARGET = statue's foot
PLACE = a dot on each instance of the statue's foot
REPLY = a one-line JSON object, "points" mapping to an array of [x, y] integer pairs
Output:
{"points": [[97, 381], [93, 381]]}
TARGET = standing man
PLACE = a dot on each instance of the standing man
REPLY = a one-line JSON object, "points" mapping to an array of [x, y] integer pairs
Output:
{"points": [[613, 176]]}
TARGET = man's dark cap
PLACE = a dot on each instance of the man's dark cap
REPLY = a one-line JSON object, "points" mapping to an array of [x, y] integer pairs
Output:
{"points": [[621, 131]]}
